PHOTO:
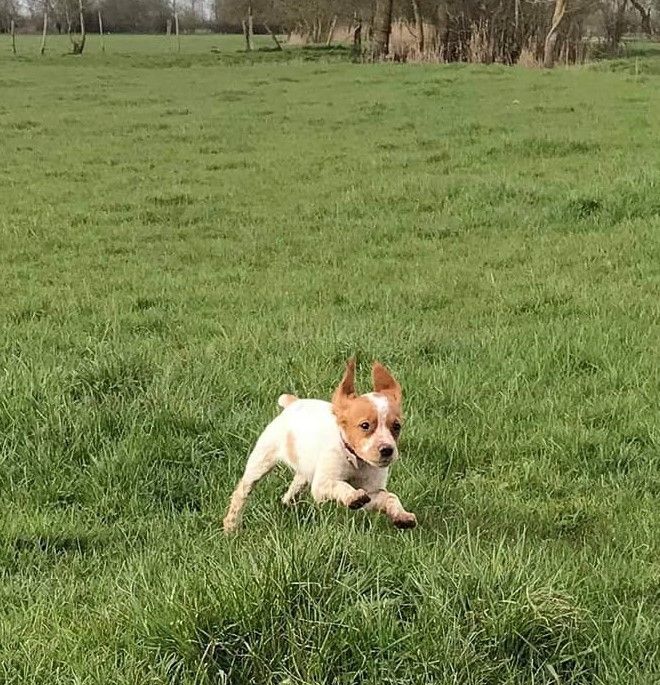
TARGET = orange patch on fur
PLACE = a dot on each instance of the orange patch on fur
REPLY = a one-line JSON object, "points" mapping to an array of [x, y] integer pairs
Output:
{"points": [[291, 453], [351, 413], [385, 383]]}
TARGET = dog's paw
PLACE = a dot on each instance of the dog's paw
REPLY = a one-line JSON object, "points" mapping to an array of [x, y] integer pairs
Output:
{"points": [[358, 499], [405, 520]]}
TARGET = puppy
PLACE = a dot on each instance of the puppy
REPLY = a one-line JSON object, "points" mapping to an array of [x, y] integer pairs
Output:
{"points": [[341, 449]]}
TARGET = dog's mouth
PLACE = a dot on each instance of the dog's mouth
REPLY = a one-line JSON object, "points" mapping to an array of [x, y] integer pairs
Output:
{"points": [[379, 461]]}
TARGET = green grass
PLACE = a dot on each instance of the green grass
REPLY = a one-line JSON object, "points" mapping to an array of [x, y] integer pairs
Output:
{"points": [[183, 240]]}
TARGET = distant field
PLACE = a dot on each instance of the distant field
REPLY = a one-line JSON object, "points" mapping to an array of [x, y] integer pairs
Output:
{"points": [[57, 45], [184, 237], [195, 50]]}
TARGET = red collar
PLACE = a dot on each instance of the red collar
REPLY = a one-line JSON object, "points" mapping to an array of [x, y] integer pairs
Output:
{"points": [[353, 457]]}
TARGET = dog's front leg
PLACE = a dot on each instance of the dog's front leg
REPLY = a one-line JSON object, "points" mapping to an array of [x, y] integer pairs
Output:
{"points": [[340, 491], [390, 505]]}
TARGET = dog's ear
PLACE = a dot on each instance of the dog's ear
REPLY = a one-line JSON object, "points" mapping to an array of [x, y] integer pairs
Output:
{"points": [[346, 388], [384, 382]]}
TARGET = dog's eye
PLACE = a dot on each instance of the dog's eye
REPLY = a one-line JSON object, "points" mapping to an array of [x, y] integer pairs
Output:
{"points": [[364, 425], [396, 427]]}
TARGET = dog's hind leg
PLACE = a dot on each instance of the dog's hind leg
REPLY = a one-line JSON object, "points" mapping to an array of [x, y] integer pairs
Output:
{"points": [[297, 484], [260, 462]]}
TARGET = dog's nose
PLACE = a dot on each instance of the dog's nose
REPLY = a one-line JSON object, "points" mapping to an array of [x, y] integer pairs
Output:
{"points": [[386, 451]]}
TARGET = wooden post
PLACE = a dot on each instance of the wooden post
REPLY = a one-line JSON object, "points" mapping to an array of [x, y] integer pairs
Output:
{"points": [[176, 31], [273, 36], [331, 31], [12, 29], [101, 32], [42, 50]]}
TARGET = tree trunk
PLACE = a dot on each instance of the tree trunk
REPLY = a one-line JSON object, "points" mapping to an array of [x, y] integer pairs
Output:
{"points": [[12, 30], [516, 13], [382, 28], [250, 27], [617, 27], [645, 16], [246, 35], [77, 47], [331, 31], [67, 18], [101, 31], [42, 49], [83, 33], [646, 24], [176, 32], [278, 45], [357, 35], [419, 26], [551, 38]]}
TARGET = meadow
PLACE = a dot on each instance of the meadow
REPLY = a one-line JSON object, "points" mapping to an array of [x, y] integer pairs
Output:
{"points": [[186, 236]]}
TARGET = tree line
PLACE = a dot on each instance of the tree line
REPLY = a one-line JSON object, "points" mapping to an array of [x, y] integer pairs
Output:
{"points": [[505, 31]]}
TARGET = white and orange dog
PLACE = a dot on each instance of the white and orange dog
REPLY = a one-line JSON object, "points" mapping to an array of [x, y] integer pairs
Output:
{"points": [[342, 449]]}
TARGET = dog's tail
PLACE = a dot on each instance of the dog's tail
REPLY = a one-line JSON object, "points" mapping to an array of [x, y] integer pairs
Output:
{"points": [[285, 400]]}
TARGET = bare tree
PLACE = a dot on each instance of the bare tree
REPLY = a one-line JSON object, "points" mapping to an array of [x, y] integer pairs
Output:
{"points": [[101, 34], [42, 49], [614, 22], [382, 28], [644, 15], [79, 47], [356, 32], [419, 25], [248, 28], [77, 41], [175, 14], [551, 37], [250, 25], [9, 12], [278, 45], [331, 31]]}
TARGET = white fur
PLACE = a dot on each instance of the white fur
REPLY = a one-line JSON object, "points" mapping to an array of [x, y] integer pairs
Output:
{"points": [[321, 461], [382, 434]]}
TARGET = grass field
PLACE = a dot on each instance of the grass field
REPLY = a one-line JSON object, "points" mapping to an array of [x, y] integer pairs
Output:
{"points": [[185, 237]]}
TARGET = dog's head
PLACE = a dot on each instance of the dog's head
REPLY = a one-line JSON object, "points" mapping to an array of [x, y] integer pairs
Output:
{"points": [[370, 423]]}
